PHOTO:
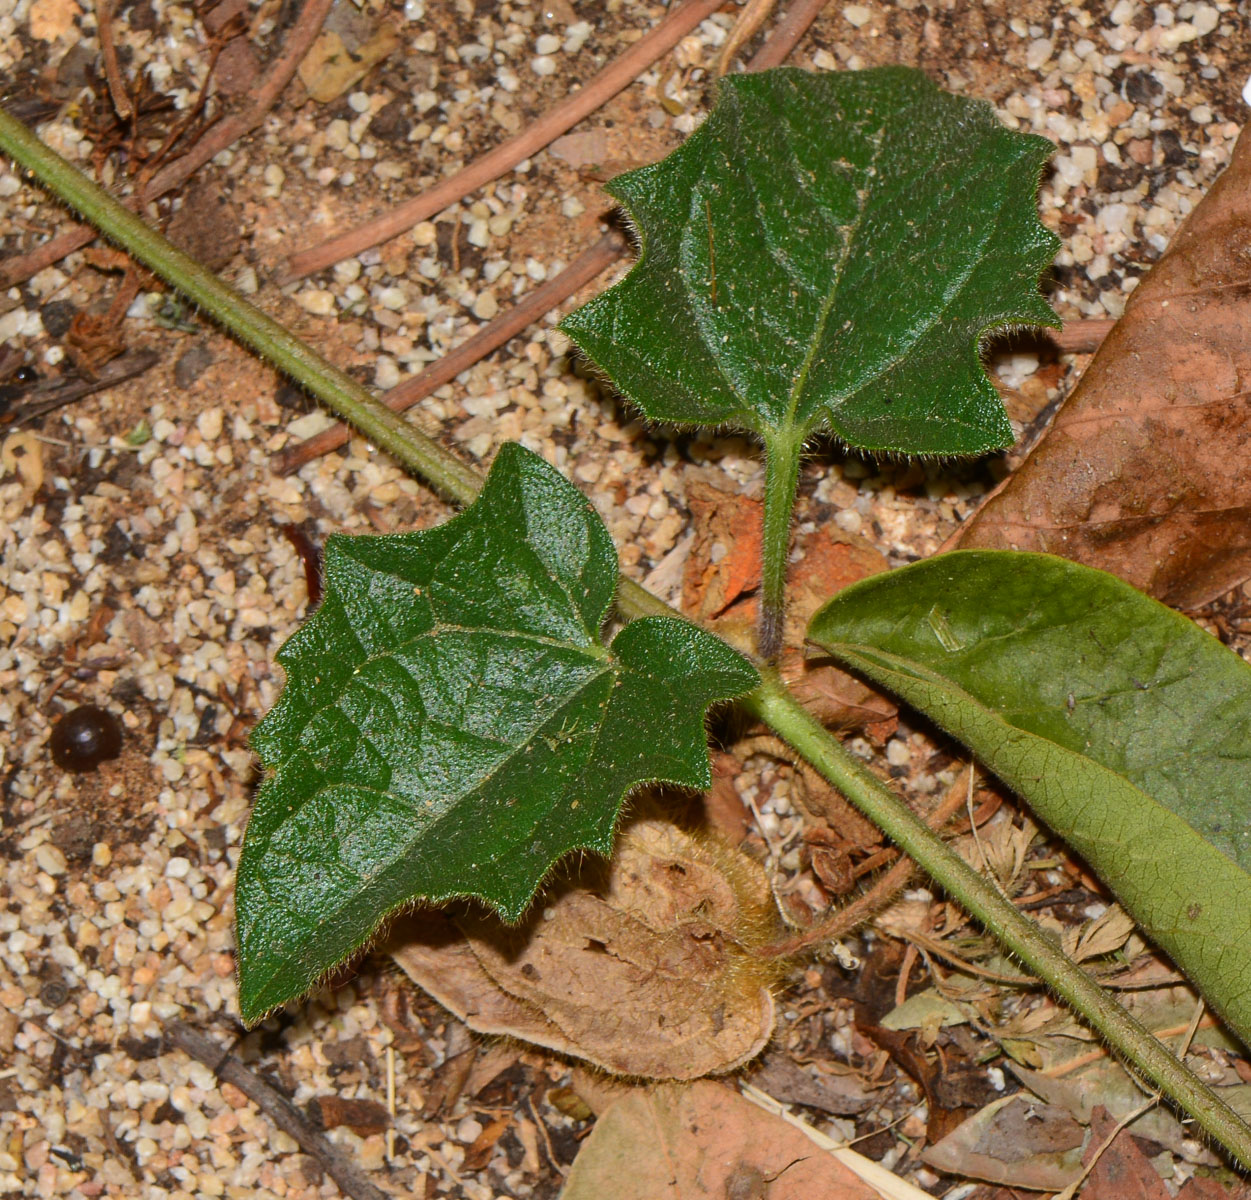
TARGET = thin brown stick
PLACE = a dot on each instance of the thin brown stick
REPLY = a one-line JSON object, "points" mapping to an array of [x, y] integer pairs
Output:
{"points": [[883, 891], [42, 402], [612, 79], [108, 52], [351, 1180], [786, 34], [308, 25], [404, 395], [755, 14]]}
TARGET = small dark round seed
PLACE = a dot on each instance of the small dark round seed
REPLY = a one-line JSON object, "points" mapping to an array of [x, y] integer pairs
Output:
{"points": [[54, 993], [26, 374], [85, 737]]}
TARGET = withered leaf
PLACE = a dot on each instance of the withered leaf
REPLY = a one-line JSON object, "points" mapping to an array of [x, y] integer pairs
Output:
{"points": [[680, 1142], [643, 969], [1145, 472]]}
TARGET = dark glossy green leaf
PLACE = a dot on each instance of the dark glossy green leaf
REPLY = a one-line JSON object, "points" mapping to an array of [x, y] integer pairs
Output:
{"points": [[1125, 726], [452, 725], [826, 252]]}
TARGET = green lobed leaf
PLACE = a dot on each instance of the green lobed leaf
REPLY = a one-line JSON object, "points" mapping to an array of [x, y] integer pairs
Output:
{"points": [[1125, 726], [826, 252], [452, 725]]}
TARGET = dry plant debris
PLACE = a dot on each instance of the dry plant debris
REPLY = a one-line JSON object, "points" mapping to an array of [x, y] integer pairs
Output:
{"points": [[144, 567], [644, 972]]}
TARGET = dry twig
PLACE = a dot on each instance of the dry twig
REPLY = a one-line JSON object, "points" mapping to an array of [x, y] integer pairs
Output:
{"points": [[108, 52], [47, 399], [351, 1180], [581, 271], [755, 14], [785, 36], [612, 79]]}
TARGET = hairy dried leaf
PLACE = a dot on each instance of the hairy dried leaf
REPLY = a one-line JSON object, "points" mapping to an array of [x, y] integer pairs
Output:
{"points": [[645, 970]]}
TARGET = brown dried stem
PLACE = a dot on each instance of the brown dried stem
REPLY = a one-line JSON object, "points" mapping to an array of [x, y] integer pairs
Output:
{"points": [[108, 52], [755, 14], [786, 34], [351, 1180], [543, 299], [172, 175], [618, 75]]}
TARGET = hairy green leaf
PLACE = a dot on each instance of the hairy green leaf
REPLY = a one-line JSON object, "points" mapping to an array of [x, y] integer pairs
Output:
{"points": [[1125, 726], [826, 252], [452, 725]]}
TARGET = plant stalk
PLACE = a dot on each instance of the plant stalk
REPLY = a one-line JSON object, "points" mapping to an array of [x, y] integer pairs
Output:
{"points": [[336, 390], [781, 481], [771, 702]]}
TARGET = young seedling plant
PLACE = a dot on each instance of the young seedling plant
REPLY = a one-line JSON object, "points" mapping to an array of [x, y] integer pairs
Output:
{"points": [[823, 256]]}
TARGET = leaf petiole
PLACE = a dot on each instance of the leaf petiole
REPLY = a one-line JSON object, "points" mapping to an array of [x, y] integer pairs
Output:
{"points": [[782, 454]]}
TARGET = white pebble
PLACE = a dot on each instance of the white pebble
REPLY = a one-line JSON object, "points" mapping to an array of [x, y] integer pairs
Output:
{"points": [[848, 520], [358, 102], [857, 15], [392, 298], [386, 372], [543, 65], [575, 36], [485, 306], [897, 753], [338, 134], [549, 43], [468, 1131], [1205, 18], [347, 271], [49, 859], [317, 301], [1037, 53], [178, 867], [209, 423]]}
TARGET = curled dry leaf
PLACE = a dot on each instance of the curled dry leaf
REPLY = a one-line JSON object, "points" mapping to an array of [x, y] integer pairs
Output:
{"points": [[643, 969], [722, 578], [1145, 472], [677, 1142]]}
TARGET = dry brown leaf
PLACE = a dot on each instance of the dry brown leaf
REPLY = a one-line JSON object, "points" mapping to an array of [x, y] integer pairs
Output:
{"points": [[700, 1140], [1146, 471], [207, 226], [719, 590], [644, 969], [1016, 1142], [361, 1116], [332, 65], [1123, 1171]]}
